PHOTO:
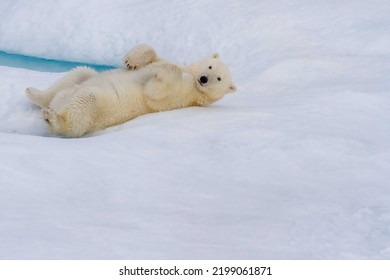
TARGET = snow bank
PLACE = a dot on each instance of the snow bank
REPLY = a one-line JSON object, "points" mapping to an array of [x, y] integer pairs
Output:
{"points": [[102, 31], [294, 165]]}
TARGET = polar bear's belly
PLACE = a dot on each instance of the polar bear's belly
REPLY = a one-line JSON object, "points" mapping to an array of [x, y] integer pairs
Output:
{"points": [[119, 99]]}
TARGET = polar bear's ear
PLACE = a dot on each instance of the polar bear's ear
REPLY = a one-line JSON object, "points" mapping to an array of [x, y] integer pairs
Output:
{"points": [[215, 55], [232, 87]]}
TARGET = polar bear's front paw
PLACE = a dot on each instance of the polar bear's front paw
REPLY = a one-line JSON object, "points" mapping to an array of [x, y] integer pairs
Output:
{"points": [[134, 63], [139, 56]]}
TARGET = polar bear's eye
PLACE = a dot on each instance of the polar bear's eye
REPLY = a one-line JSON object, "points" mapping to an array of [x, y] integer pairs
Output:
{"points": [[210, 67], [219, 78]]}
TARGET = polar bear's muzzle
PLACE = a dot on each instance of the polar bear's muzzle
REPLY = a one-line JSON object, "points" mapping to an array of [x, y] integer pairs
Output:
{"points": [[203, 80]]}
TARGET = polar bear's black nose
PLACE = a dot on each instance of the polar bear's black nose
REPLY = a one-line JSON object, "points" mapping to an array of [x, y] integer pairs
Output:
{"points": [[203, 79]]}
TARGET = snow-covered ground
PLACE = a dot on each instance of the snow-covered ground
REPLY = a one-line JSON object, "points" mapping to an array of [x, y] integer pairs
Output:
{"points": [[294, 165]]}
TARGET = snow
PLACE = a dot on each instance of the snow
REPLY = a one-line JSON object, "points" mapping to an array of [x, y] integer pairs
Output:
{"points": [[294, 165]]}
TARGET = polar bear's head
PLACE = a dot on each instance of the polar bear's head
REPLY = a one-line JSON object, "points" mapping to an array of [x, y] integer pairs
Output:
{"points": [[212, 77]]}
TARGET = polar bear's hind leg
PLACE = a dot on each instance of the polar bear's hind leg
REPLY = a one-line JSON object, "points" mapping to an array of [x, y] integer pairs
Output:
{"points": [[36, 96], [75, 119], [42, 98]]}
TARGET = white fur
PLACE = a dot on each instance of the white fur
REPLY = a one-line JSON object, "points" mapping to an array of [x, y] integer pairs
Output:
{"points": [[84, 101]]}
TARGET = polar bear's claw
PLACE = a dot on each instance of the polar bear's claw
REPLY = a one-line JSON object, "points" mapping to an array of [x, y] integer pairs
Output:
{"points": [[130, 67]]}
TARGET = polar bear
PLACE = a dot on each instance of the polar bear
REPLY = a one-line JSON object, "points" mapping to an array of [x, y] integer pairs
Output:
{"points": [[84, 101]]}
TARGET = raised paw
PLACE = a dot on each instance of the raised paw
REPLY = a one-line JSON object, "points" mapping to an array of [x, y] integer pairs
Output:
{"points": [[133, 64], [135, 61], [139, 56]]}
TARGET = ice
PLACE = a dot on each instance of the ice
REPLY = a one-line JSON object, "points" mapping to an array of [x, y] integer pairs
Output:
{"points": [[294, 165]]}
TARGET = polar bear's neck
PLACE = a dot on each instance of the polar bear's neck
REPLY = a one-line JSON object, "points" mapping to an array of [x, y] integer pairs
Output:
{"points": [[203, 99], [194, 96]]}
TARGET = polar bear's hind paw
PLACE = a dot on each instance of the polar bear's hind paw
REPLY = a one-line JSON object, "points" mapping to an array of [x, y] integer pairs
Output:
{"points": [[49, 116]]}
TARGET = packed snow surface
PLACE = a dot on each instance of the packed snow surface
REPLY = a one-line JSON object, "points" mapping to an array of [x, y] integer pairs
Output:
{"points": [[294, 165]]}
